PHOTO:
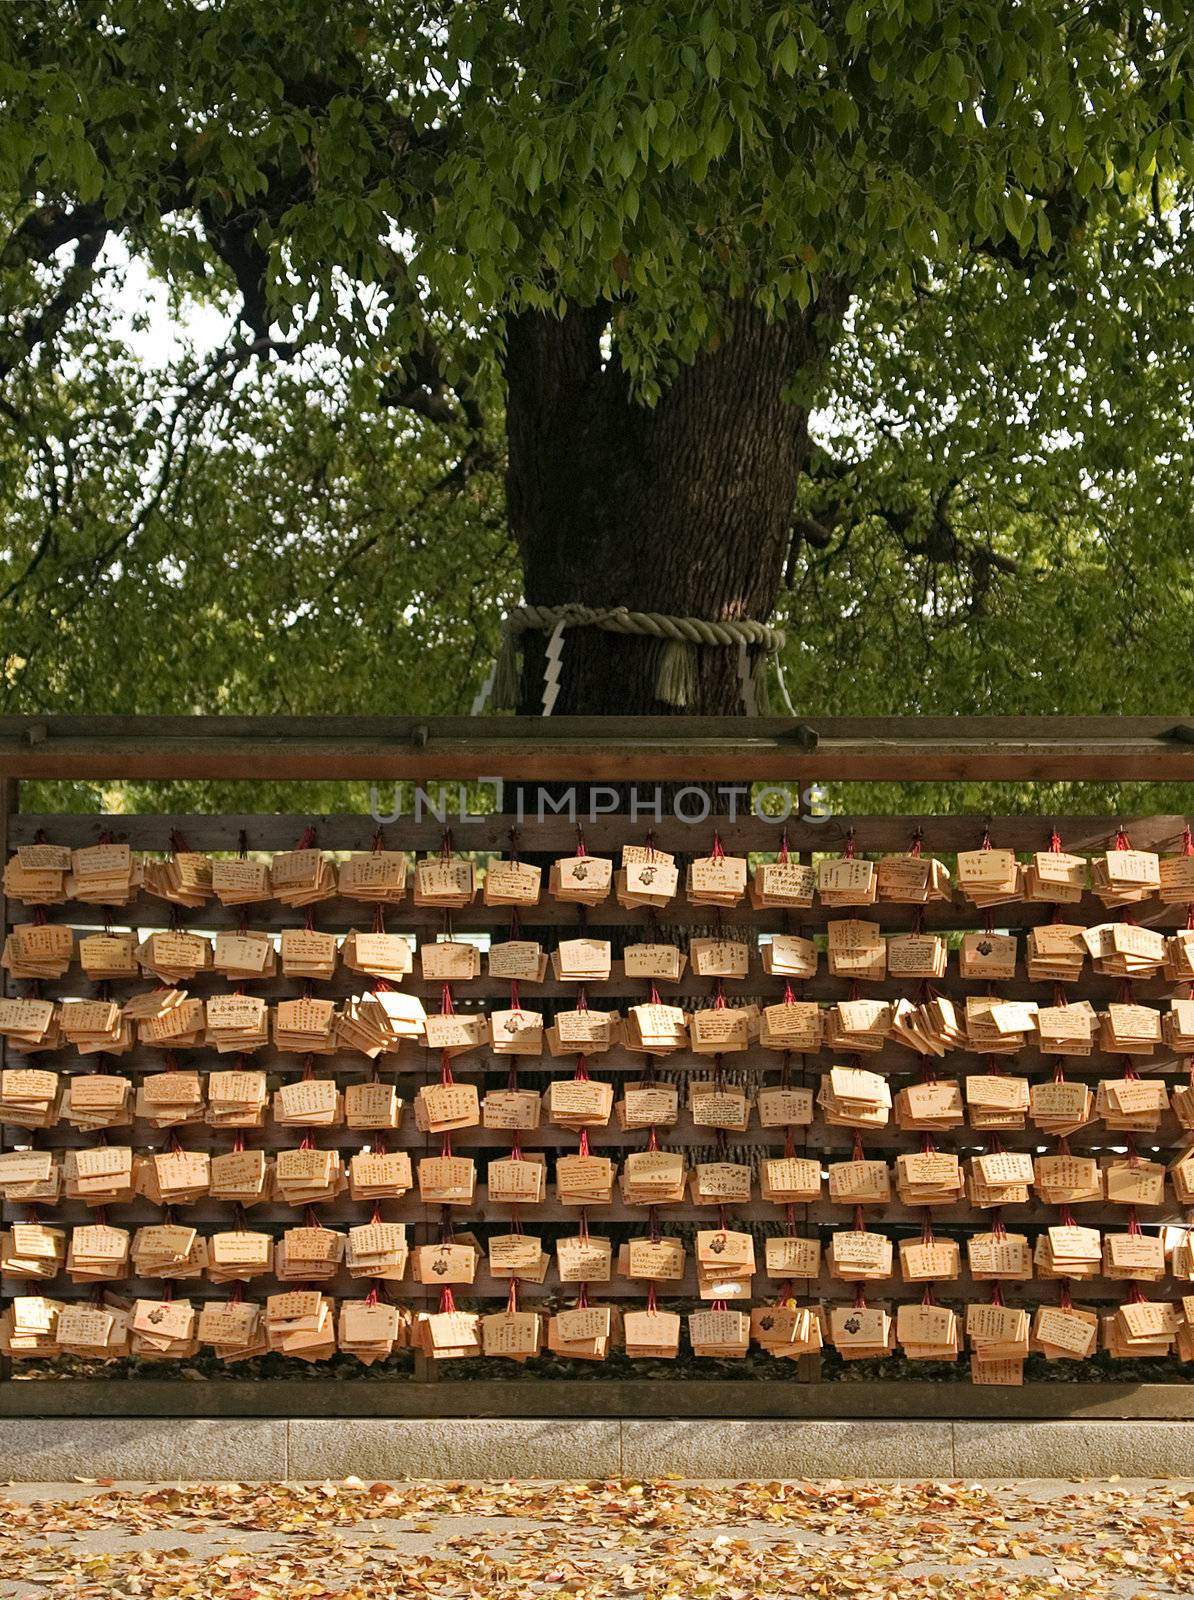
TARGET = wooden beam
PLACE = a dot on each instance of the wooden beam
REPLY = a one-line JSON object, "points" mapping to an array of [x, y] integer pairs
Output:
{"points": [[600, 749], [741, 833], [680, 1396]]}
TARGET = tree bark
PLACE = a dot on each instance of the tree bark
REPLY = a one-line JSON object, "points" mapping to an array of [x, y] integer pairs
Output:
{"points": [[683, 508]]}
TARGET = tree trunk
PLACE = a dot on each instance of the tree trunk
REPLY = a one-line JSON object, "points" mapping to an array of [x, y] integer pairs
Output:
{"points": [[685, 508]]}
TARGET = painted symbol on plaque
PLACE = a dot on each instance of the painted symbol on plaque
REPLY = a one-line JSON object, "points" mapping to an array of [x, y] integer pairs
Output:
{"points": [[439, 1267], [853, 1324], [580, 872], [648, 875], [984, 947], [718, 1245]]}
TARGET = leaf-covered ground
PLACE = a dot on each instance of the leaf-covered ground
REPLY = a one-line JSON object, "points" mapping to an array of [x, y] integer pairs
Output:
{"points": [[661, 1540]]}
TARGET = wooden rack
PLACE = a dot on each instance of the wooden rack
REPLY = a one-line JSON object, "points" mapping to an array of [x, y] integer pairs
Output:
{"points": [[607, 751]]}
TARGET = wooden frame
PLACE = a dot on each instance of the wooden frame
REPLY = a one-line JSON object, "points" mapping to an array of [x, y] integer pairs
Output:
{"points": [[606, 750], [610, 749]]}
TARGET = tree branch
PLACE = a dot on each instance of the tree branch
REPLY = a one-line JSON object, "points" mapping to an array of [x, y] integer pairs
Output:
{"points": [[935, 540], [44, 325], [1066, 210]]}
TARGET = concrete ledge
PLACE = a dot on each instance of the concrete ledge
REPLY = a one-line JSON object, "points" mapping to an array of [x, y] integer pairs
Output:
{"points": [[454, 1448], [42, 1450], [1073, 1449], [49, 1450], [767, 1449]]}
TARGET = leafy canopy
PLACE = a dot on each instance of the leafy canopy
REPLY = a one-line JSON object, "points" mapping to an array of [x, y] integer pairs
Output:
{"points": [[361, 167]]}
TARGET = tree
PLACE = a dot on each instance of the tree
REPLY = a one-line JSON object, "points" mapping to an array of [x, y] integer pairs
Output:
{"points": [[639, 231]]}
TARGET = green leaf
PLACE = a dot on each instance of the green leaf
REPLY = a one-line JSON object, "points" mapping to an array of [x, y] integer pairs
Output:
{"points": [[787, 56]]}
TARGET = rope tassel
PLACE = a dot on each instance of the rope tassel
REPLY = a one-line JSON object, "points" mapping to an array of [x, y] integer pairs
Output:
{"points": [[505, 677], [676, 684]]}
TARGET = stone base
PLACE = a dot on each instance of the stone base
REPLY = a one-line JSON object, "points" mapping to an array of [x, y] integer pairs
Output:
{"points": [[51, 1450]]}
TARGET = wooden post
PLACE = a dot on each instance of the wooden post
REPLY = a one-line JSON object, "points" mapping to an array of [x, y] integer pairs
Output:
{"points": [[10, 796]]}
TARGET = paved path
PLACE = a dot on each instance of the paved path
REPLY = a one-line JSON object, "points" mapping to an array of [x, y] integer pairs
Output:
{"points": [[662, 1540]]}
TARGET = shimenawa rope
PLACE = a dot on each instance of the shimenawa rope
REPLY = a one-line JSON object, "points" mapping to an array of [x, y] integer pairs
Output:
{"points": [[676, 681]]}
